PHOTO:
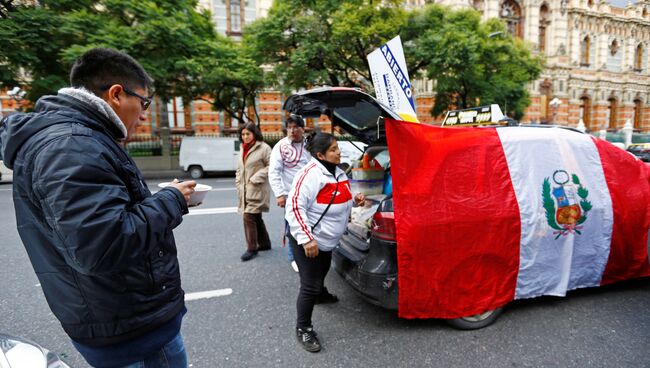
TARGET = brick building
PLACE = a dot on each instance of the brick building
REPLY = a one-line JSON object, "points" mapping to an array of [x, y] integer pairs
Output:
{"points": [[597, 65]]}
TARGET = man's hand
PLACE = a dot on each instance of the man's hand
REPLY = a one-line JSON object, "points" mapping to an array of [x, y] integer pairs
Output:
{"points": [[311, 248], [359, 199], [282, 201], [185, 187]]}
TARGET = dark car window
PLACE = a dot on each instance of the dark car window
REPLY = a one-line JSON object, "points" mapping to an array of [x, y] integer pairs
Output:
{"points": [[360, 116]]}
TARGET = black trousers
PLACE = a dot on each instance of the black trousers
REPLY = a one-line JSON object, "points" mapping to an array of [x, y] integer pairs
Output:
{"points": [[257, 238], [312, 280]]}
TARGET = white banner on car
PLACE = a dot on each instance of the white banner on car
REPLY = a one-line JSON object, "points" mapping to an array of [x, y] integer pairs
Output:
{"points": [[391, 80]]}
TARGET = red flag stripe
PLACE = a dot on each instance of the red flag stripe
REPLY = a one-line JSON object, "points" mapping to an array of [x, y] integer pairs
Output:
{"points": [[628, 255], [457, 220]]}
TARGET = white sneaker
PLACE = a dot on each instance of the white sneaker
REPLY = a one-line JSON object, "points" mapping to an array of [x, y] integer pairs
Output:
{"points": [[294, 265]]}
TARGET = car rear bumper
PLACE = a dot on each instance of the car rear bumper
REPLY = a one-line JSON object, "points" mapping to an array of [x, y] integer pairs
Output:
{"points": [[371, 273]]}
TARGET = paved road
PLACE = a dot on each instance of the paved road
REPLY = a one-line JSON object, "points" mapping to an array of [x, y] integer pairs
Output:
{"points": [[253, 325]]}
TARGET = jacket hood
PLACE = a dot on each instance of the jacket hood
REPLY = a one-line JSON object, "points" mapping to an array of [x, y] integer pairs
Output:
{"points": [[70, 105]]}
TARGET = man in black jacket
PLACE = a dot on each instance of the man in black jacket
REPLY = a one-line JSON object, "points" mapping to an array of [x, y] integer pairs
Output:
{"points": [[101, 244]]}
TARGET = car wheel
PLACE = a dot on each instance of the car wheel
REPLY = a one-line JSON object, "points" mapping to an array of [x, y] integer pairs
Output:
{"points": [[476, 321], [196, 172]]}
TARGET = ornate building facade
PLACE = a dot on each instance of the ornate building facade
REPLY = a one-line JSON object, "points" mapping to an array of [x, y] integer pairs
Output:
{"points": [[596, 58], [596, 71]]}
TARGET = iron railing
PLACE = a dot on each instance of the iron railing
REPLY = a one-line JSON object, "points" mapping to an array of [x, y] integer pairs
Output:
{"points": [[154, 145]]}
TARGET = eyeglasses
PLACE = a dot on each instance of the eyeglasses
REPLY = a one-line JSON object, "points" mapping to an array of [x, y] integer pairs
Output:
{"points": [[144, 101], [294, 128]]}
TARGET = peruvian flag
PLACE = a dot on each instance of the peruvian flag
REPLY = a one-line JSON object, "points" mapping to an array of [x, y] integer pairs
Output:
{"points": [[488, 215]]}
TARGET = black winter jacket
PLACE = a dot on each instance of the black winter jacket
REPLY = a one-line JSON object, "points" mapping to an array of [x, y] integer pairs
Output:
{"points": [[100, 243]]}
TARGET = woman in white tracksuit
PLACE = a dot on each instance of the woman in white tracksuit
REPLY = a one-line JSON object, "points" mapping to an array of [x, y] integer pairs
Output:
{"points": [[318, 208]]}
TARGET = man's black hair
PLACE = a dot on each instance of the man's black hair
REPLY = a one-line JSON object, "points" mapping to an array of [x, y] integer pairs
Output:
{"points": [[296, 119], [100, 68]]}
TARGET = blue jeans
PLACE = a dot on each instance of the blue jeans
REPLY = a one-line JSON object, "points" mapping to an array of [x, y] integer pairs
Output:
{"points": [[287, 233], [172, 355]]}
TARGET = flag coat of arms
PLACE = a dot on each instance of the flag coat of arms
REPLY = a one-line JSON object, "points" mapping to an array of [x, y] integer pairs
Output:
{"points": [[485, 216]]}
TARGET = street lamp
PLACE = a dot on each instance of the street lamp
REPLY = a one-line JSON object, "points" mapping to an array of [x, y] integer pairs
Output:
{"points": [[555, 103]]}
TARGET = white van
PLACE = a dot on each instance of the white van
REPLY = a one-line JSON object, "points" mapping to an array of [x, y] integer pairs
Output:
{"points": [[199, 155]]}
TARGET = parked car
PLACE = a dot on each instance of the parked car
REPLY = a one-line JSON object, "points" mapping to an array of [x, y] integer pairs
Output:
{"points": [[640, 150], [366, 256], [199, 155], [17, 352]]}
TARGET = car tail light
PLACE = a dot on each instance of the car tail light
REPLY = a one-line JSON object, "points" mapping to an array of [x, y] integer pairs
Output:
{"points": [[383, 226]]}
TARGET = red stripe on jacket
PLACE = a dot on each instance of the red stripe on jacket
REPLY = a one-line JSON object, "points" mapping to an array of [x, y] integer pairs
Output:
{"points": [[457, 220], [625, 177], [340, 189], [294, 201]]}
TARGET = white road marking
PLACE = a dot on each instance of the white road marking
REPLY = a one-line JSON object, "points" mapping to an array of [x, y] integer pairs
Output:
{"points": [[211, 190], [207, 294], [211, 211]]}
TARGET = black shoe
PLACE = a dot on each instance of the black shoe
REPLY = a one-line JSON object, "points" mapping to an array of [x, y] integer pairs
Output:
{"points": [[263, 249], [307, 337], [247, 256], [326, 298]]}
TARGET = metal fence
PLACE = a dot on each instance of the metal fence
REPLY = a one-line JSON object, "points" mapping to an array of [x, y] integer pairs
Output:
{"points": [[156, 145]]}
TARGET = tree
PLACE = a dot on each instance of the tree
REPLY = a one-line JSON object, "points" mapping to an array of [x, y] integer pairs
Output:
{"points": [[171, 39], [472, 62], [309, 43]]}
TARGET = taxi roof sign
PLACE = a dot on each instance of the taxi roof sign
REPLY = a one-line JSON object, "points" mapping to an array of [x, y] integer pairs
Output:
{"points": [[474, 116]]}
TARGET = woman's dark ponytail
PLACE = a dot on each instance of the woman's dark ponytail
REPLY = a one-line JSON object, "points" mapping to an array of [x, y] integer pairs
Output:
{"points": [[317, 142]]}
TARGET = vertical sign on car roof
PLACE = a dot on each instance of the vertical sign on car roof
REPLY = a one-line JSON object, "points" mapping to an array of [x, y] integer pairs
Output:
{"points": [[391, 80]]}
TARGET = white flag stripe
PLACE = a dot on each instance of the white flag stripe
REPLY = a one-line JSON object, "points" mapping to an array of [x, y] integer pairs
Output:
{"points": [[207, 294], [553, 261], [211, 211]]}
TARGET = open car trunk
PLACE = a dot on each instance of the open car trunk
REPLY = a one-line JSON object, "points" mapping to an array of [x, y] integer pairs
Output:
{"points": [[356, 112]]}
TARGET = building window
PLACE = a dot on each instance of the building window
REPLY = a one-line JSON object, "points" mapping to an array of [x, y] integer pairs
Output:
{"points": [[611, 113], [544, 22], [511, 13], [176, 113], [638, 58], [585, 109], [234, 14], [638, 105], [585, 45], [545, 92], [613, 48], [478, 5]]}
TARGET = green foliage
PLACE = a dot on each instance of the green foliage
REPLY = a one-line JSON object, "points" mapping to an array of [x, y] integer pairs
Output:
{"points": [[173, 41], [473, 62], [322, 42], [311, 43]]}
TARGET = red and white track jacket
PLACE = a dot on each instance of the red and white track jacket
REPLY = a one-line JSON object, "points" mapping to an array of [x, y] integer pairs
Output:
{"points": [[311, 192]]}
